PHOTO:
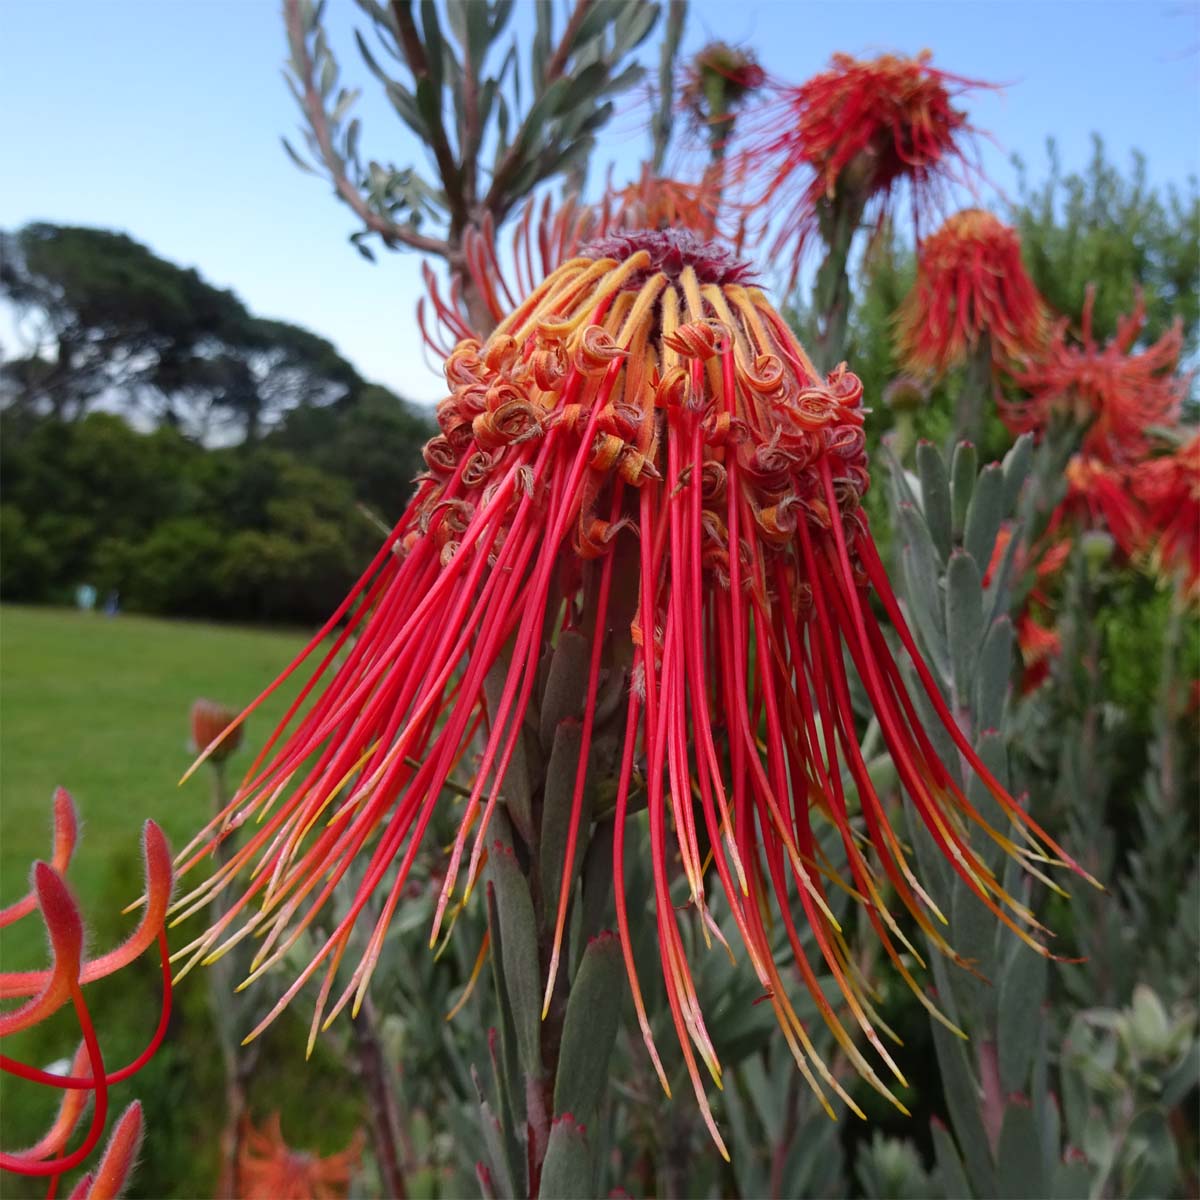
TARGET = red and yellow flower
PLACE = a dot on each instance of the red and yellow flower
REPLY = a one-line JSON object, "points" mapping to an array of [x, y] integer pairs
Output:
{"points": [[270, 1169], [643, 459], [971, 285], [1169, 488], [856, 133], [1118, 394], [545, 236], [1099, 496]]}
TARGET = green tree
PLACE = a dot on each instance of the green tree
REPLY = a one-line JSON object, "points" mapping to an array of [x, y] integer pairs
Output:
{"points": [[1114, 229], [109, 320], [462, 91]]}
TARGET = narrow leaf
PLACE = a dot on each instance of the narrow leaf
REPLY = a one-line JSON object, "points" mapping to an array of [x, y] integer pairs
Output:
{"points": [[935, 496], [962, 485], [567, 1170], [964, 622], [984, 514], [590, 1029]]}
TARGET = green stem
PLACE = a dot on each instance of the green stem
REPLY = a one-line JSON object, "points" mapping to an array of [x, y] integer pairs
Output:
{"points": [[1171, 704], [840, 218], [221, 986], [974, 394]]}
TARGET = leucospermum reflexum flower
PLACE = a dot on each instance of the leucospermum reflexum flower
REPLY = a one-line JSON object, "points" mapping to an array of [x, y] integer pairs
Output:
{"points": [[641, 460], [1118, 394], [44, 992], [1098, 496], [971, 284], [270, 1169], [1169, 488], [546, 235], [856, 133]]}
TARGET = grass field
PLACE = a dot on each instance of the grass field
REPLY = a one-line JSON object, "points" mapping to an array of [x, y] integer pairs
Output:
{"points": [[101, 707]]}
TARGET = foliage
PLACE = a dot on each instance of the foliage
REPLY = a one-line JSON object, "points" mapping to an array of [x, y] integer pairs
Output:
{"points": [[242, 533], [1113, 229], [112, 322], [497, 121]]}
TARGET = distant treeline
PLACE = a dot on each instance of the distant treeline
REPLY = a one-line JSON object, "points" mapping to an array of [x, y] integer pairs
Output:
{"points": [[266, 528]]}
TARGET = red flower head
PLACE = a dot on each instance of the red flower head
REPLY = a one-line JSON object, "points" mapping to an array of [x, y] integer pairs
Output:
{"points": [[734, 70], [46, 991], [1038, 643], [545, 236], [716, 83], [1039, 646], [1116, 393], [209, 722], [644, 491], [1099, 497], [851, 136], [1169, 487], [269, 1169], [970, 285]]}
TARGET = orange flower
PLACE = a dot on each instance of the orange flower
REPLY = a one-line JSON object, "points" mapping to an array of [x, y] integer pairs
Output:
{"points": [[642, 461], [1099, 496], [209, 722], [1117, 394], [548, 234], [269, 1169], [1038, 643], [47, 991], [854, 134], [1039, 646], [970, 284], [1169, 487]]}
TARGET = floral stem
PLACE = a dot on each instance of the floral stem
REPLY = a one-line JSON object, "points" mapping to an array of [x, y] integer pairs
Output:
{"points": [[831, 293], [381, 1101], [221, 984], [974, 393]]}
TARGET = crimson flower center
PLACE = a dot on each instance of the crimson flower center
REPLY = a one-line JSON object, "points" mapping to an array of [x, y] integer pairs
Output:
{"points": [[671, 251]]}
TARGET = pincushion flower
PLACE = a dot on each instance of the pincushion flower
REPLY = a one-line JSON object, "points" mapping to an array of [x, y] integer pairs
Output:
{"points": [[546, 235], [1169, 487], [642, 462], [270, 1169], [716, 83], [1099, 496], [971, 289], [851, 136], [209, 720], [1118, 394], [1039, 643], [46, 991]]}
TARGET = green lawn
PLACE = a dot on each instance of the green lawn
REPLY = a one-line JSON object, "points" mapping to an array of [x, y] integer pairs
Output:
{"points": [[101, 707]]}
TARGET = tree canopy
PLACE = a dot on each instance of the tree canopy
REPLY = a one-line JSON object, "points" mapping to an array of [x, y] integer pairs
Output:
{"points": [[108, 320]]}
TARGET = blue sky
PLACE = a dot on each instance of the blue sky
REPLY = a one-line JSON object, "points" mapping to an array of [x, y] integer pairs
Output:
{"points": [[163, 117]]}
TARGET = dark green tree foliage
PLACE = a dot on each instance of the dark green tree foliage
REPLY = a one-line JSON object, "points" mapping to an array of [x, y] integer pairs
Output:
{"points": [[374, 442], [245, 533], [111, 321], [105, 312], [1112, 228]]}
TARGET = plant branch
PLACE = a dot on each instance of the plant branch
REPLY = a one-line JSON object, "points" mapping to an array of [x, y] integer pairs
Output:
{"points": [[382, 1105], [497, 201], [318, 121], [418, 63]]}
